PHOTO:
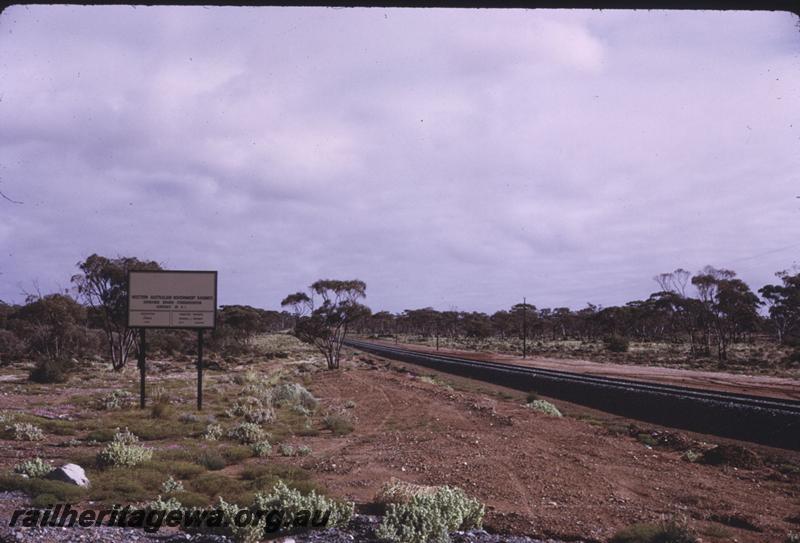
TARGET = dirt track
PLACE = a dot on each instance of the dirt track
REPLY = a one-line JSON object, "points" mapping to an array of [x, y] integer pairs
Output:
{"points": [[542, 476], [758, 385]]}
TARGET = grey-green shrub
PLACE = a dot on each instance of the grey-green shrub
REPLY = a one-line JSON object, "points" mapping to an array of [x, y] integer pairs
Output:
{"points": [[340, 422], [252, 409], [290, 502], [286, 449], [543, 406], [293, 394], [303, 450], [116, 399], [247, 433], [262, 448], [34, 468], [212, 432], [171, 485], [160, 504], [25, 431], [431, 517], [124, 451]]}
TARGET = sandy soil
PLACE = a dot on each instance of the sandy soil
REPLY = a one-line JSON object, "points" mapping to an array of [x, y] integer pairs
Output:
{"points": [[542, 476], [757, 385]]}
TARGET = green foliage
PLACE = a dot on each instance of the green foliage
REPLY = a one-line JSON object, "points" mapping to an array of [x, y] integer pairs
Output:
{"points": [[252, 409], [339, 422], [262, 448], [543, 406], [116, 400], [292, 501], [43, 491], [34, 468], [326, 325], [52, 327], [664, 532], [25, 431], [161, 409], [692, 456], [171, 485], [303, 450], [616, 343], [50, 371], [431, 517], [247, 433], [103, 285], [212, 432], [293, 394], [286, 449], [160, 504], [211, 460], [124, 451], [647, 439]]}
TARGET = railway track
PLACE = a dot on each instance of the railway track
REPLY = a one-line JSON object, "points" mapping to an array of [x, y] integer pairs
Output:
{"points": [[770, 421]]}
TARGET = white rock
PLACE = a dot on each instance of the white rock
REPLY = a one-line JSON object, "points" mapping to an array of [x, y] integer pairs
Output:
{"points": [[69, 473]]}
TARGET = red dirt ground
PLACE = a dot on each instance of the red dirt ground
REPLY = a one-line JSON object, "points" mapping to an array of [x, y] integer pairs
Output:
{"points": [[759, 385], [542, 476]]}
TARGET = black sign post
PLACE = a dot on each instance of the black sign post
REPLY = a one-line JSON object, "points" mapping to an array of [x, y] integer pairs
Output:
{"points": [[200, 370], [142, 366]]}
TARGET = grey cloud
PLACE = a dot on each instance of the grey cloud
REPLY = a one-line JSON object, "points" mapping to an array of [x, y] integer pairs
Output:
{"points": [[447, 157]]}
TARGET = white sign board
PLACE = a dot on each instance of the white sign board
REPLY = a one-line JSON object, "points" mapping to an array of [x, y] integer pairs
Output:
{"points": [[172, 299]]}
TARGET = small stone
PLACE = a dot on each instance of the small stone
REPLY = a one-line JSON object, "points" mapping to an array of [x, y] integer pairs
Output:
{"points": [[69, 473]]}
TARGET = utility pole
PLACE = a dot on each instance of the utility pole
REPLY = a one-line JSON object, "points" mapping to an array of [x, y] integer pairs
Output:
{"points": [[524, 327]]}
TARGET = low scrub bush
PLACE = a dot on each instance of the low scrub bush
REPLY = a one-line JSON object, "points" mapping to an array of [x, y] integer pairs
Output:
{"points": [[294, 505], [212, 432], [397, 491], [116, 400], [124, 451], [25, 431], [252, 409], [303, 450], [34, 468], [247, 433], [161, 409], [11, 346], [50, 370], [543, 406], [286, 449], [211, 460], [339, 422], [161, 504], [293, 394], [431, 516], [663, 532], [262, 448], [171, 486], [616, 343], [731, 455]]}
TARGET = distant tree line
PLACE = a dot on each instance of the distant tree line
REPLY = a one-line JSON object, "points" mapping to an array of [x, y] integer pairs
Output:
{"points": [[709, 310], [90, 320]]}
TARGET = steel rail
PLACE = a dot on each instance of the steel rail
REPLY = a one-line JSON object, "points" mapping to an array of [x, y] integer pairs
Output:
{"points": [[772, 421]]}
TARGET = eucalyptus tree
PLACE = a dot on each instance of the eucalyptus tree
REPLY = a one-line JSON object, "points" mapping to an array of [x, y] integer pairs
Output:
{"points": [[324, 317]]}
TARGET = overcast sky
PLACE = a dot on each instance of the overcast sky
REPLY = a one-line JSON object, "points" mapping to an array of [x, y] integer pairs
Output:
{"points": [[453, 158]]}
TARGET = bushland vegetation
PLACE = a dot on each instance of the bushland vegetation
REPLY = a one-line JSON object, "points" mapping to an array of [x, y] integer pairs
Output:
{"points": [[706, 313]]}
